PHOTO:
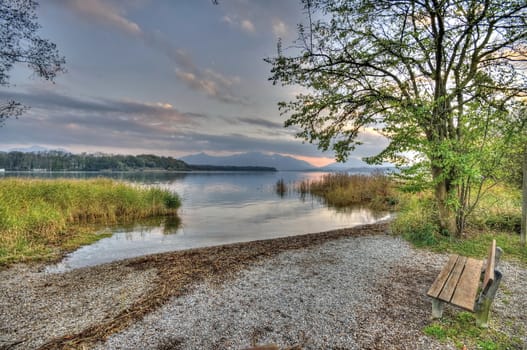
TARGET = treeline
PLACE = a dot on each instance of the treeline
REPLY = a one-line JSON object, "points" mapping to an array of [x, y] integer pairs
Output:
{"points": [[62, 161]]}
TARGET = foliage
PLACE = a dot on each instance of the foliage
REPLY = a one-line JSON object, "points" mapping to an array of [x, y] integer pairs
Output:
{"points": [[60, 161], [524, 202], [64, 161], [512, 167], [435, 77], [340, 190], [416, 221], [20, 43], [500, 209], [461, 329], [38, 215]]}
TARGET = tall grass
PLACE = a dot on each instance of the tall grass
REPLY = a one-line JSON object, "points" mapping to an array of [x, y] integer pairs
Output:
{"points": [[340, 190], [499, 209], [417, 218], [39, 217], [497, 217]]}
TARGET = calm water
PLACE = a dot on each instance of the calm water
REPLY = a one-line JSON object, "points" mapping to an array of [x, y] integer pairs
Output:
{"points": [[218, 208]]}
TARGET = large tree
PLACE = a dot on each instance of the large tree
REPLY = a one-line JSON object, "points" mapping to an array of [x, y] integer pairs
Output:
{"points": [[437, 77], [20, 43]]}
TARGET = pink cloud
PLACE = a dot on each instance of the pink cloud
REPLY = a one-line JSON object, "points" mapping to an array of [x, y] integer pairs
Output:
{"points": [[106, 13]]}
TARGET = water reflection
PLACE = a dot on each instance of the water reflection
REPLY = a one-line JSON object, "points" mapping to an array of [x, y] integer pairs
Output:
{"points": [[167, 224], [127, 240], [218, 208]]}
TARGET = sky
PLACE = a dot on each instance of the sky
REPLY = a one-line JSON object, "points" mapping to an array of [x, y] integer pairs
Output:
{"points": [[165, 77]]}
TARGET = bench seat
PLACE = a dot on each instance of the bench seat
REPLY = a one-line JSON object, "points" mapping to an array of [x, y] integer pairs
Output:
{"points": [[458, 282]]}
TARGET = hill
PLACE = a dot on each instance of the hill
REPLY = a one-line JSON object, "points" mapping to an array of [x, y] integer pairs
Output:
{"points": [[259, 159]]}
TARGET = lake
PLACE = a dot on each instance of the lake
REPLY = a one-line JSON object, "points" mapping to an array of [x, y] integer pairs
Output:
{"points": [[217, 208]]}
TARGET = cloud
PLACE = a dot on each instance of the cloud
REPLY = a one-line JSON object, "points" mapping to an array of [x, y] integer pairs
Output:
{"points": [[96, 124], [208, 86], [104, 12], [236, 142], [205, 80], [208, 81], [128, 126], [212, 84], [247, 26], [279, 28], [228, 20], [224, 80], [372, 142], [85, 134], [124, 114], [261, 122]]}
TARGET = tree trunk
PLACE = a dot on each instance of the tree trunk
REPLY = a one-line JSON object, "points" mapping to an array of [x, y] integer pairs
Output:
{"points": [[447, 215], [524, 199]]}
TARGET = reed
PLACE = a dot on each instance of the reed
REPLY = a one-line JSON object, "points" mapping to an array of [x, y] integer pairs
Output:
{"points": [[39, 218], [281, 187], [341, 190]]}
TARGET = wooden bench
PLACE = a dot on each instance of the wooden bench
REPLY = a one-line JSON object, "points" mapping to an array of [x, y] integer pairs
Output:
{"points": [[459, 281]]}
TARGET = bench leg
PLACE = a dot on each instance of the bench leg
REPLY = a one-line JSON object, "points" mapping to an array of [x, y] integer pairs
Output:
{"points": [[483, 304], [482, 312], [437, 308]]}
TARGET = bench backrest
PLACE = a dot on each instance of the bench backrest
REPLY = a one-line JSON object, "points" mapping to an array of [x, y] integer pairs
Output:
{"points": [[489, 268]]}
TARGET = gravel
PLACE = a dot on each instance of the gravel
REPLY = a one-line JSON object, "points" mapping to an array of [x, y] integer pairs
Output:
{"points": [[345, 294], [349, 290]]}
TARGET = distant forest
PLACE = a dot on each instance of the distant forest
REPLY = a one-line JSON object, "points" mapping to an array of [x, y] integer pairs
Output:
{"points": [[63, 161]]}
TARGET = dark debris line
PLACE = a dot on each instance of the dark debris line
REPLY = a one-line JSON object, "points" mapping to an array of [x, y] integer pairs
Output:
{"points": [[178, 271]]}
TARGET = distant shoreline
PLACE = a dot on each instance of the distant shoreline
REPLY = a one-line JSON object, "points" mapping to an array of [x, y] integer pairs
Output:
{"points": [[192, 169], [196, 169]]}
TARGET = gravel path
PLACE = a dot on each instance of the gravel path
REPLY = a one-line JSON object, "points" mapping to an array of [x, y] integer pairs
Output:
{"points": [[345, 289]]}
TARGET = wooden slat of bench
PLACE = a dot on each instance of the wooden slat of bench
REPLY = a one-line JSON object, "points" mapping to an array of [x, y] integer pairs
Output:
{"points": [[467, 288], [453, 279], [490, 266], [441, 279]]}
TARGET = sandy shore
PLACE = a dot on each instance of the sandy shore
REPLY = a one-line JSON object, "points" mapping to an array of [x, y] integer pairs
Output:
{"points": [[356, 288]]}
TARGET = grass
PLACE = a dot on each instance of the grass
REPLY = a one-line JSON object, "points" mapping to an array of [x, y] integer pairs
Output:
{"points": [[342, 190], [500, 209], [40, 219], [461, 329], [498, 217]]}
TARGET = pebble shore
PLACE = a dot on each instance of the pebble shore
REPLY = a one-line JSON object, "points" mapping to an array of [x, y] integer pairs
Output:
{"points": [[358, 288]]}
